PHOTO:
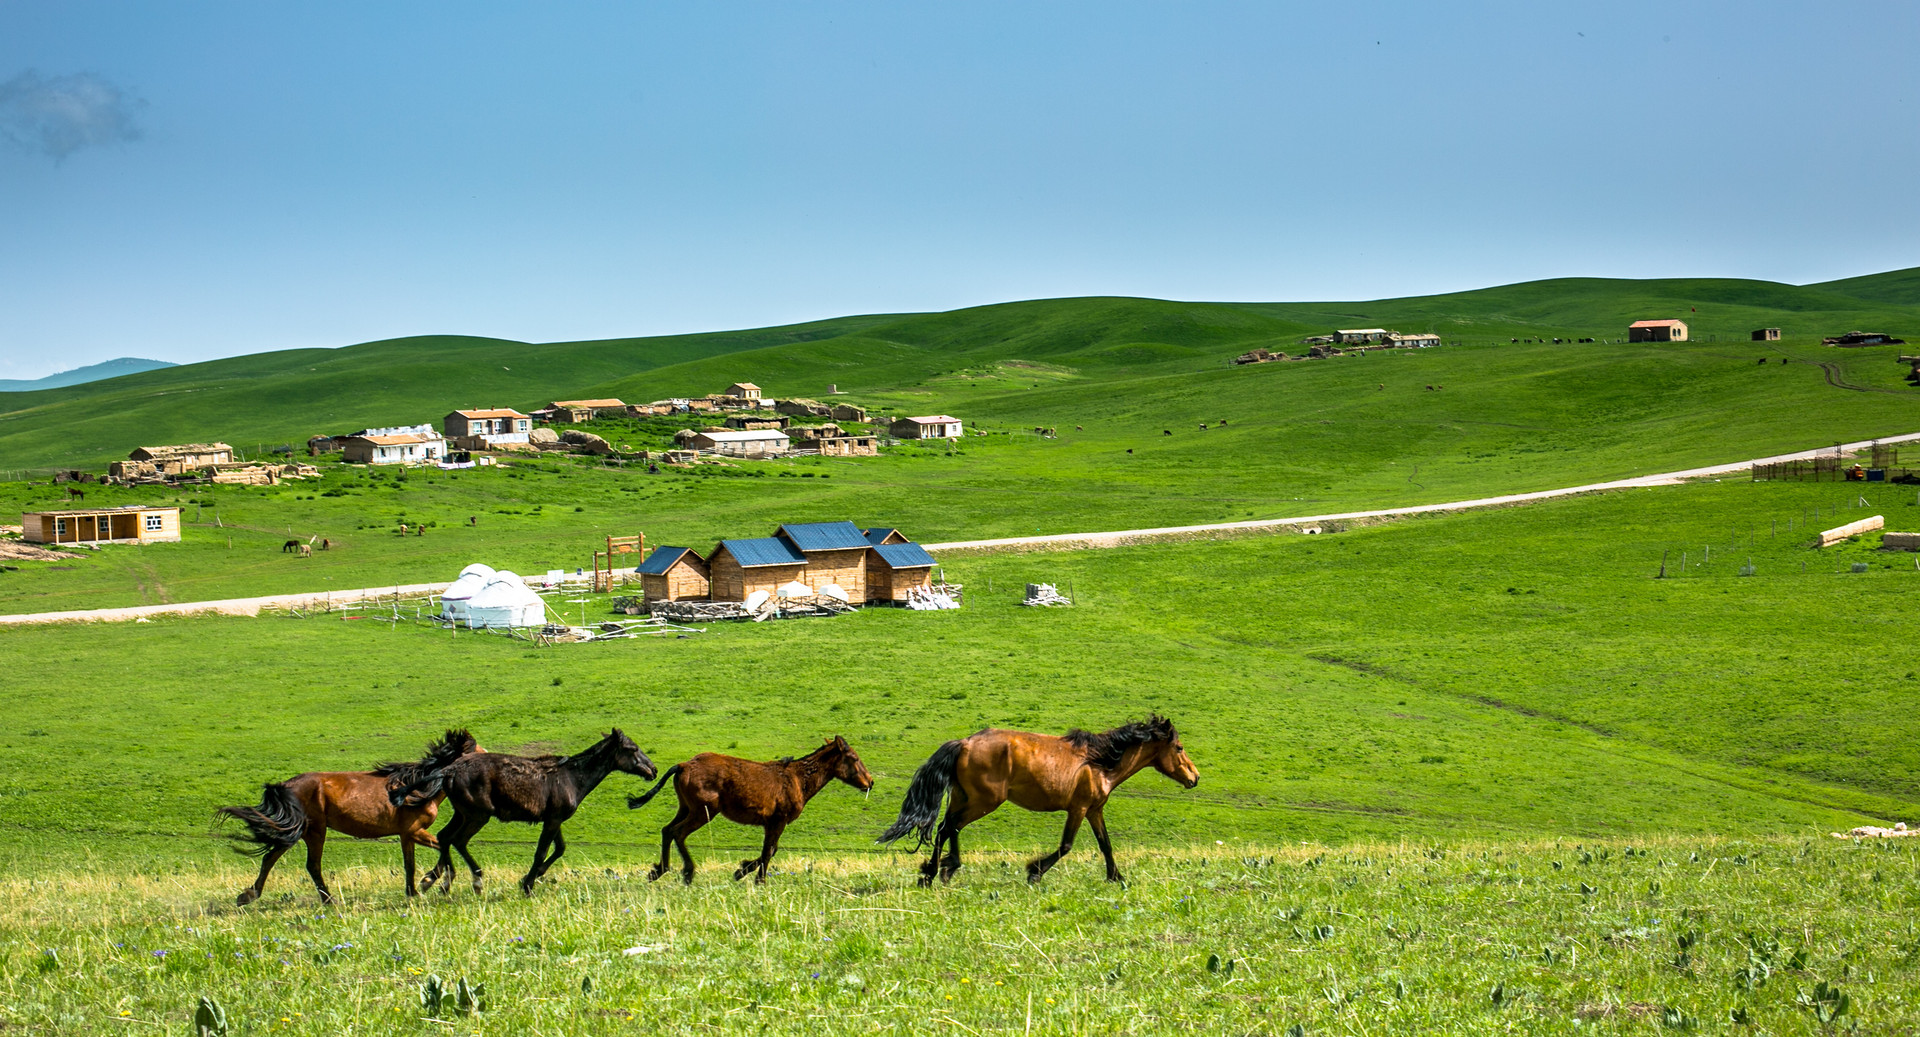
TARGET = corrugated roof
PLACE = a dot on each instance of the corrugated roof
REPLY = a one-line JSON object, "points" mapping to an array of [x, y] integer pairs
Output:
{"points": [[663, 558], [904, 556], [1654, 323], [875, 536], [497, 412], [399, 440], [588, 403], [823, 536], [935, 419], [762, 551]]}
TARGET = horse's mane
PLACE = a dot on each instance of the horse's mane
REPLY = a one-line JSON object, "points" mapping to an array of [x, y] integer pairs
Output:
{"points": [[1104, 750], [457, 742]]}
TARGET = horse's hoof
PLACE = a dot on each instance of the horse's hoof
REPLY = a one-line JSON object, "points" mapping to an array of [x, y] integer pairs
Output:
{"points": [[654, 875], [687, 879], [739, 873], [926, 882], [246, 897]]}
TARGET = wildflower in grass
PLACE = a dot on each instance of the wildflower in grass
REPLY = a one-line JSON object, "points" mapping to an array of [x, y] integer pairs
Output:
{"points": [[160, 954]]}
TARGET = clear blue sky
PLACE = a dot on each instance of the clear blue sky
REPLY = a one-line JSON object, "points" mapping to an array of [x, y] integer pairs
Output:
{"points": [[184, 181]]}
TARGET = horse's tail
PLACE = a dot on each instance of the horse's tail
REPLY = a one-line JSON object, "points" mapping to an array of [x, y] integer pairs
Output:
{"points": [[929, 786], [411, 784], [636, 802], [277, 823]]}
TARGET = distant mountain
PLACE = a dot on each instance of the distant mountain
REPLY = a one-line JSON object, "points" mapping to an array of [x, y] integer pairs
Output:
{"points": [[83, 375]]}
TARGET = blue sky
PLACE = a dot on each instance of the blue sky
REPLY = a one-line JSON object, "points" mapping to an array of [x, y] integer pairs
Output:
{"points": [[186, 181]]}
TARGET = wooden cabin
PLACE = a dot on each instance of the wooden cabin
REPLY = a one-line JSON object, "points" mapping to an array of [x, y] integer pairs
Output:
{"points": [[835, 552], [737, 568], [132, 524], [744, 390], [893, 569], [674, 574], [1766, 334], [882, 535]]}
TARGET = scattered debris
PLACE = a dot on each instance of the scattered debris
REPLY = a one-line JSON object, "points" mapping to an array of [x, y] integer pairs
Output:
{"points": [[928, 599], [1039, 594], [1898, 831]]}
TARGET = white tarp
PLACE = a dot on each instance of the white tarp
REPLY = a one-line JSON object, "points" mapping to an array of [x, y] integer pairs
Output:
{"points": [[795, 589], [505, 601], [453, 600]]}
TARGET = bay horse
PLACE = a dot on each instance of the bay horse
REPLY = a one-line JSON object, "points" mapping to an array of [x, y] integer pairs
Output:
{"points": [[769, 796], [1075, 772], [540, 789], [354, 803]]}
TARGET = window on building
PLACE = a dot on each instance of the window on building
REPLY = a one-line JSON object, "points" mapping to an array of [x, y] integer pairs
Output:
{"points": [[59, 527], [155, 522]]}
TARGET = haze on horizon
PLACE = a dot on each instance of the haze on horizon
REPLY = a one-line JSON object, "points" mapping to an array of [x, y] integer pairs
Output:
{"points": [[185, 183]]}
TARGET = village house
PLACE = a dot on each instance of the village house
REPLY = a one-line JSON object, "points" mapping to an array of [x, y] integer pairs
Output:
{"points": [[413, 444], [1359, 336], [744, 443], [803, 408], [1418, 340], [131, 524], [755, 421], [176, 459], [744, 390], [674, 574], [934, 426], [487, 429], [848, 412], [1657, 331], [738, 568], [579, 411], [845, 446]]}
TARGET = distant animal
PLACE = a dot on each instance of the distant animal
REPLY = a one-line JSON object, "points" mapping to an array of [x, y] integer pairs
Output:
{"points": [[769, 796], [1075, 772], [1078, 428], [544, 790], [325, 543], [1763, 360], [76, 493], [1429, 388], [354, 803], [1383, 386], [403, 529], [1166, 432], [1222, 423], [306, 550], [473, 520], [290, 546], [420, 530], [1203, 426], [1129, 450]]}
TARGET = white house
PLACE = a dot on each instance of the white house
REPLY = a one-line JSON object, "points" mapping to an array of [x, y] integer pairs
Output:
{"points": [[410, 444], [932, 426], [761, 442]]}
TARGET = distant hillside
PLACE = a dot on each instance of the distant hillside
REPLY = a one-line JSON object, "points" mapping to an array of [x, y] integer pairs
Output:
{"points": [[1895, 286], [82, 375], [1152, 358]]}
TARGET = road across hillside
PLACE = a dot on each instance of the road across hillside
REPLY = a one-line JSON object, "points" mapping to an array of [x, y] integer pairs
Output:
{"points": [[1056, 541]]}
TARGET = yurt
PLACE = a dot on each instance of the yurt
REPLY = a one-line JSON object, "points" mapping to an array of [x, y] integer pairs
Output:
{"points": [[453, 600], [505, 601]]}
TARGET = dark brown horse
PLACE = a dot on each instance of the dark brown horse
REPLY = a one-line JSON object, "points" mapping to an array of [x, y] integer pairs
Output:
{"points": [[1075, 773], [354, 803], [765, 795], [543, 789]]}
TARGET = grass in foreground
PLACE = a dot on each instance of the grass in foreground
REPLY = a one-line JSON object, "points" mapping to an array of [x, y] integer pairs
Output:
{"points": [[1760, 936]]}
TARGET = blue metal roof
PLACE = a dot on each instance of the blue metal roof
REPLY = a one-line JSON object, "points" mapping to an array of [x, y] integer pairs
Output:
{"points": [[875, 536], [824, 536], [763, 551], [662, 559], [903, 556]]}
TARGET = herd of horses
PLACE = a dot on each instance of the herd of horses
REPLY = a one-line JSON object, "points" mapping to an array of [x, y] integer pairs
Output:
{"points": [[1075, 773]]}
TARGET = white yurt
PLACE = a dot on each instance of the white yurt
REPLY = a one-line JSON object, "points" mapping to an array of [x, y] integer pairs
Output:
{"points": [[453, 600], [505, 601]]}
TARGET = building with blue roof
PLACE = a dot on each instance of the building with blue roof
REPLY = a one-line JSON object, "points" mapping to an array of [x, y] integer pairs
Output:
{"points": [[737, 568], [674, 574]]}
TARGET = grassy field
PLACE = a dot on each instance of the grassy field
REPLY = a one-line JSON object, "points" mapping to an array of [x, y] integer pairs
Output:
{"points": [[1745, 936]]}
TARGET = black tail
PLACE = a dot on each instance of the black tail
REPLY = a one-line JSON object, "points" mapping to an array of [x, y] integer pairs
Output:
{"points": [[921, 808], [636, 802], [277, 823]]}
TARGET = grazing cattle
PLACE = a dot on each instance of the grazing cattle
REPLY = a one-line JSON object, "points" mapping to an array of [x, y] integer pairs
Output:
{"points": [[353, 803], [768, 796], [1429, 388], [1075, 773], [1203, 426], [289, 547]]}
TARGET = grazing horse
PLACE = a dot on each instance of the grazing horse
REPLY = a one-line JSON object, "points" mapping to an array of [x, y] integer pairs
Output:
{"points": [[1075, 773], [765, 795], [291, 545], [351, 802], [542, 789], [76, 493]]}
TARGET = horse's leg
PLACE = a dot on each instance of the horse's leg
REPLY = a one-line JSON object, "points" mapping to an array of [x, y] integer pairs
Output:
{"points": [[252, 893], [549, 837], [406, 855], [697, 820], [948, 827], [1039, 867], [969, 811], [459, 841], [443, 865], [316, 842], [1097, 820], [952, 862], [769, 843], [666, 842]]}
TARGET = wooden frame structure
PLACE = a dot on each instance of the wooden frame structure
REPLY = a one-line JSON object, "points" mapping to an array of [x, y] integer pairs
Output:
{"points": [[603, 567]]}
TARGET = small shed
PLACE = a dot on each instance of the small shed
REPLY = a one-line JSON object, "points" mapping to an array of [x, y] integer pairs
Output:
{"points": [[802, 408], [745, 443], [744, 390], [836, 553], [883, 535], [674, 574], [848, 412], [895, 569], [400, 448], [737, 568], [1360, 336], [1657, 331], [847, 446], [930, 426], [1766, 334], [131, 524]]}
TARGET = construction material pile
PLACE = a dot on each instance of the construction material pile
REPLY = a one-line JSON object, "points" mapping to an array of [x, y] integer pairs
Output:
{"points": [[929, 599], [1039, 594]]}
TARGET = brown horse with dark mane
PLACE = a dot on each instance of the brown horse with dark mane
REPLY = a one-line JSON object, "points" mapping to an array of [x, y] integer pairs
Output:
{"points": [[544, 790], [353, 803], [769, 796], [1075, 773]]}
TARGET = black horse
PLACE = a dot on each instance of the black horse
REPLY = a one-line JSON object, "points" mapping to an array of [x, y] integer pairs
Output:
{"points": [[543, 790]]}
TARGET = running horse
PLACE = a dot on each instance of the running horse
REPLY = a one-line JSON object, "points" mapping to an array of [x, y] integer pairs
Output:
{"points": [[768, 796], [542, 789], [353, 803], [1075, 772]]}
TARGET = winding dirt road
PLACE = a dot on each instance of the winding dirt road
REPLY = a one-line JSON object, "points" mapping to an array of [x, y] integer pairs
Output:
{"points": [[1056, 542]]}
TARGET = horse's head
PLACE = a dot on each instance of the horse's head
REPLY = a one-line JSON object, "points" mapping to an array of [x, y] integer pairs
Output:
{"points": [[847, 766], [1171, 759], [627, 756]]}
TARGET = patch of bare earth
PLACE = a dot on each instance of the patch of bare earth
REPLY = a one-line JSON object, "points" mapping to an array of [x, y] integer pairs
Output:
{"points": [[21, 551]]}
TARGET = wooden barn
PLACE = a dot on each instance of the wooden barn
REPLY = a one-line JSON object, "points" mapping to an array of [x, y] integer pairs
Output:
{"points": [[878, 536], [737, 568], [674, 574], [835, 552], [896, 568], [1657, 331], [132, 524]]}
